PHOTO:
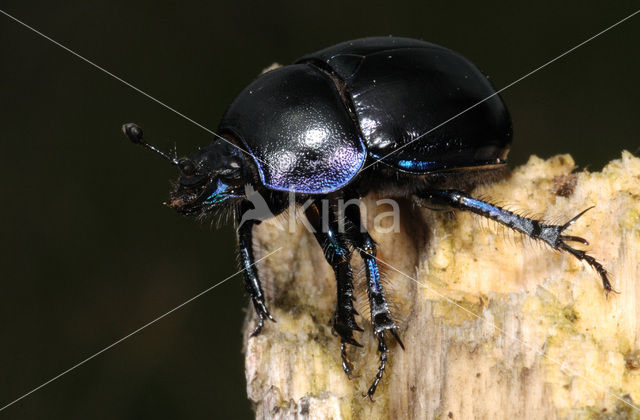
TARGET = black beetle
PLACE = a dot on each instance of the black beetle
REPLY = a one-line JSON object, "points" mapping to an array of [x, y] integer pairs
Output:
{"points": [[361, 116]]}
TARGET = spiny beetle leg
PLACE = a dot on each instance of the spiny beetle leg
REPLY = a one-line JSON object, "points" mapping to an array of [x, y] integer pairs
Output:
{"points": [[346, 365], [263, 313], [251, 279], [560, 242], [582, 255], [337, 253], [384, 351], [550, 234], [381, 319]]}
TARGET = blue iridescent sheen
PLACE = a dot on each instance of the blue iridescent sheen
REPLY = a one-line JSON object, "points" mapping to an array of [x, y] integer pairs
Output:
{"points": [[414, 165], [219, 194], [372, 268], [334, 244], [411, 165], [488, 208]]}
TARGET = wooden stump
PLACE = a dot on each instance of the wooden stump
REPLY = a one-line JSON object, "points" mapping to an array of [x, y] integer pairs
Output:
{"points": [[495, 325]]}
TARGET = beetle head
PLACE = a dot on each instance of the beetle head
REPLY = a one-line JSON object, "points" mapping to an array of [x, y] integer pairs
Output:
{"points": [[209, 180]]}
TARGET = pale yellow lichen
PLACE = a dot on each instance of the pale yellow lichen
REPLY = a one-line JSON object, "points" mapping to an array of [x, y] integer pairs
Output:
{"points": [[495, 325]]}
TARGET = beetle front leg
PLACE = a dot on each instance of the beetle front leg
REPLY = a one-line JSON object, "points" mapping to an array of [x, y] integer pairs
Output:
{"points": [[380, 314], [550, 234], [336, 250], [251, 279]]}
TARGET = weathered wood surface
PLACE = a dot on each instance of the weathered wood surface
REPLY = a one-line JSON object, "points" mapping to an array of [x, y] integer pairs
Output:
{"points": [[495, 326]]}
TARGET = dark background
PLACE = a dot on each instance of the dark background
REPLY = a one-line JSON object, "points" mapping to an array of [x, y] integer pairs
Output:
{"points": [[89, 254]]}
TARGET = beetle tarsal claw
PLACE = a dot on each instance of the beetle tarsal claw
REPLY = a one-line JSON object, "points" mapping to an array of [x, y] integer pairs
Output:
{"points": [[569, 238]]}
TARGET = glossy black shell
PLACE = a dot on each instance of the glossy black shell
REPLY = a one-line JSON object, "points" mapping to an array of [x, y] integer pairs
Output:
{"points": [[313, 125]]}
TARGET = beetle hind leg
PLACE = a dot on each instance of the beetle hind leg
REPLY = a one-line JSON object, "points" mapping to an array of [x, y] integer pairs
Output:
{"points": [[560, 242], [384, 351], [381, 319], [536, 229]]}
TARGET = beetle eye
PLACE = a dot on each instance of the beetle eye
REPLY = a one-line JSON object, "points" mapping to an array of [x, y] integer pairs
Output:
{"points": [[186, 166], [234, 164]]}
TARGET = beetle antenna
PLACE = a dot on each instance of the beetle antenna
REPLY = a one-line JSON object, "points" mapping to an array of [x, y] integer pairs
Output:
{"points": [[134, 133]]}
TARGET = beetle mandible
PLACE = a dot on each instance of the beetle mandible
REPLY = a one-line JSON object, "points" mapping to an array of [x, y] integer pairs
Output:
{"points": [[314, 127]]}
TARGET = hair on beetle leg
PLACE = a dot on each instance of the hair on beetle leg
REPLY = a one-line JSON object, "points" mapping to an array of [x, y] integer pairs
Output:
{"points": [[281, 221], [399, 311], [267, 287], [398, 298], [361, 302], [270, 289], [223, 217]]}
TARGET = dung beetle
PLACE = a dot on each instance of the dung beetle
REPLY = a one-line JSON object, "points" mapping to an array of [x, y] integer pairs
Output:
{"points": [[358, 117]]}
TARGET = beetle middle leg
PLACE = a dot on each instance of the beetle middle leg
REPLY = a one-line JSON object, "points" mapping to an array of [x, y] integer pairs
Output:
{"points": [[380, 314], [336, 249], [548, 233]]}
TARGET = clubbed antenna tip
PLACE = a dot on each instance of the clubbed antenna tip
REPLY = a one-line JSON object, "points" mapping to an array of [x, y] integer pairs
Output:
{"points": [[134, 133]]}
